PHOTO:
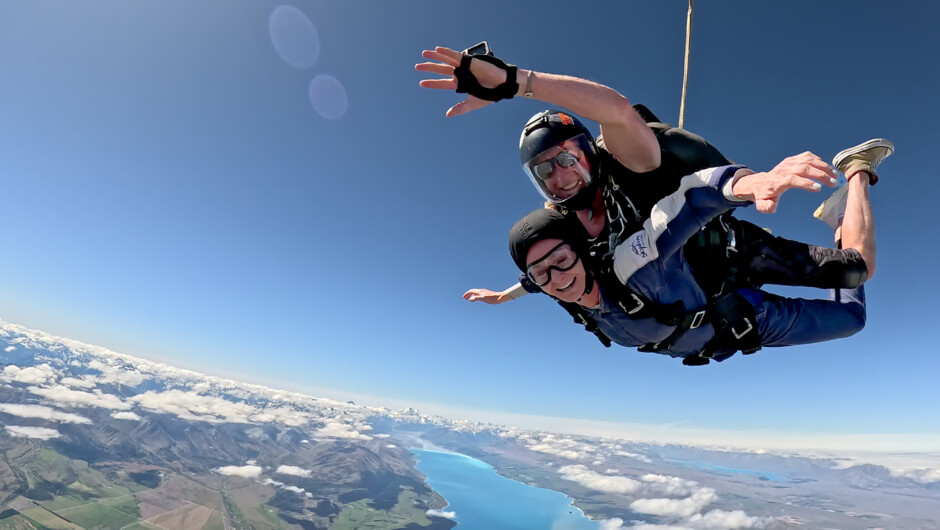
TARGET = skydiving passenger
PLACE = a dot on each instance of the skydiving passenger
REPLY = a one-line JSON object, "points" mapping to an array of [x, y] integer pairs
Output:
{"points": [[552, 251], [616, 183]]}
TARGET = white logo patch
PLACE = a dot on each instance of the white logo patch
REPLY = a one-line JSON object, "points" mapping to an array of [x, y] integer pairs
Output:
{"points": [[639, 245], [633, 254]]}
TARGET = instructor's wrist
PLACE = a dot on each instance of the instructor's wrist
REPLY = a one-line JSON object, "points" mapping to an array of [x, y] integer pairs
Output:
{"points": [[524, 78]]}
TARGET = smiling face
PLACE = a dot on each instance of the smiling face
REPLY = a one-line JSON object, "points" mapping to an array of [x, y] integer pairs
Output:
{"points": [[564, 182], [565, 285], [563, 170]]}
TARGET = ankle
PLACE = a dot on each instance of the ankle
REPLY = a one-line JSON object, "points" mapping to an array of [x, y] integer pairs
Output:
{"points": [[864, 177]]}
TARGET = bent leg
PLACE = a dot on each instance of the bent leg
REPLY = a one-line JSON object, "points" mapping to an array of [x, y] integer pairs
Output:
{"points": [[790, 321], [858, 225], [752, 257], [765, 259]]}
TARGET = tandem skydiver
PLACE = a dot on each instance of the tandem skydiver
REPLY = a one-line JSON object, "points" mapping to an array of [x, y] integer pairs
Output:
{"points": [[648, 160], [553, 252], [586, 175]]}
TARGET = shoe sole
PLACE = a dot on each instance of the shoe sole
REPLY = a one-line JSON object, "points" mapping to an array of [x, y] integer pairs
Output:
{"points": [[834, 198], [824, 210], [877, 142]]}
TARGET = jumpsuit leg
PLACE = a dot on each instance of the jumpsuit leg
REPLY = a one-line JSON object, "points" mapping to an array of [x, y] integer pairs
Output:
{"points": [[767, 259], [785, 321]]}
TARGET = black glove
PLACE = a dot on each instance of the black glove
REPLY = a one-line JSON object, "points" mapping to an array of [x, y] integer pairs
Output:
{"points": [[467, 83]]}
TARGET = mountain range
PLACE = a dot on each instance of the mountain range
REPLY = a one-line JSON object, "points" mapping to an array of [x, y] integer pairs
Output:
{"points": [[98, 439]]}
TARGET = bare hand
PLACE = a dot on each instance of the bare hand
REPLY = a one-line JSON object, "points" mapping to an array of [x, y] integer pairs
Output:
{"points": [[485, 295], [488, 75], [804, 171]]}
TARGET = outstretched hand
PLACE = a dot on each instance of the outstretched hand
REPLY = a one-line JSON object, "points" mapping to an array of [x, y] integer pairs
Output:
{"points": [[488, 75], [487, 296], [804, 171]]}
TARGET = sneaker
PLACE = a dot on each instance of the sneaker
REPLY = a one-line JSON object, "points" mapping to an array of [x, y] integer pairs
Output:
{"points": [[863, 157]]}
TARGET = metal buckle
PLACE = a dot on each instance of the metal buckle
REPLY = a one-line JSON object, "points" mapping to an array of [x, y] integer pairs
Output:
{"points": [[743, 333], [731, 247], [639, 306], [698, 318]]}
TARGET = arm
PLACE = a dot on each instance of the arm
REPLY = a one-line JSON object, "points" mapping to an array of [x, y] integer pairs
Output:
{"points": [[674, 219], [494, 298], [704, 195], [626, 134]]}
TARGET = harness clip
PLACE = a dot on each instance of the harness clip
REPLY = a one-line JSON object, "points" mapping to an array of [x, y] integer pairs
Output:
{"points": [[638, 307], [698, 319], [743, 333]]}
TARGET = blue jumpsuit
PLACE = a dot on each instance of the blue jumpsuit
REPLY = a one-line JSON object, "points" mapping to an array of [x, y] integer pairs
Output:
{"points": [[651, 262]]}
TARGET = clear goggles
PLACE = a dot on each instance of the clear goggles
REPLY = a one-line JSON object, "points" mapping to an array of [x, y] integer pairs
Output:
{"points": [[560, 172], [561, 258]]}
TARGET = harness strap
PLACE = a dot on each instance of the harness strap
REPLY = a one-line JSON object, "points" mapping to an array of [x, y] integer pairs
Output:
{"points": [[735, 324], [581, 317]]}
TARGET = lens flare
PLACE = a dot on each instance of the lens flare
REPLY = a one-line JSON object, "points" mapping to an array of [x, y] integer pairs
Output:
{"points": [[294, 37]]}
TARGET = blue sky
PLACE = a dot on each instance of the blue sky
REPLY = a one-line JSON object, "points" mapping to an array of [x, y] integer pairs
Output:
{"points": [[184, 185]]}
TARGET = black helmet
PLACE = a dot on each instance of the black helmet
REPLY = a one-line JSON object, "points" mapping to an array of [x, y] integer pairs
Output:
{"points": [[546, 130], [548, 224]]}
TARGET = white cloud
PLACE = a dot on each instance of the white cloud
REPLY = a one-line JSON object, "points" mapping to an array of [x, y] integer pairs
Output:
{"points": [[669, 485], [192, 406], [35, 375], [65, 396], [335, 429], [380, 435], [551, 450], [85, 382], [295, 489], [635, 456], [391, 446], [643, 526], [41, 411], [924, 476], [610, 524], [239, 471], [125, 416], [676, 507], [612, 471], [720, 519], [117, 375], [596, 481], [285, 415], [293, 470], [561, 446], [40, 433], [442, 513], [8, 349]]}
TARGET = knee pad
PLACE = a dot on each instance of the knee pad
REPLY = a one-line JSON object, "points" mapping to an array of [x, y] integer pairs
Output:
{"points": [[845, 268]]}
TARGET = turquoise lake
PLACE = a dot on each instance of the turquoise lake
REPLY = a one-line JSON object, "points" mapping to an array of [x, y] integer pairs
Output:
{"points": [[481, 499]]}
